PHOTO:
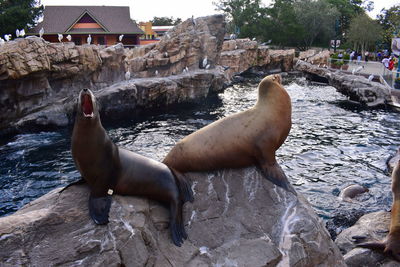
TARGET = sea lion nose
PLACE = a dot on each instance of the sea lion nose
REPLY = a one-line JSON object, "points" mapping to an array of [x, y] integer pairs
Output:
{"points": [[85, 89]]}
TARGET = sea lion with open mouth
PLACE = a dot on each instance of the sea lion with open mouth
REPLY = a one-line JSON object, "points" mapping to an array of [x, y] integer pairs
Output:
{"points": [[109, 169]]}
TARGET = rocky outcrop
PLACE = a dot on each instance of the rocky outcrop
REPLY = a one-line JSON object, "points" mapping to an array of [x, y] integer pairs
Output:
{"points": [[36, 76], [372, 226], [241, 54], [238, 218], [314, 57], [356, 87]]}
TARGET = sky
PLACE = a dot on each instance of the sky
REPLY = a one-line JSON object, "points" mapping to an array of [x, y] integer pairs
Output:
{"points": [[145, 10]]}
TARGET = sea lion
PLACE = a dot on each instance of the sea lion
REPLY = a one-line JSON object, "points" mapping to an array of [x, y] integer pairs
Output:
{"points": [[108, 169], [391, 244], [247, 138], [351, 191]]}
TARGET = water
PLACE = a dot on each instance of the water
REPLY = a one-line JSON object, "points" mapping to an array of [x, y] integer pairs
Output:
{"points": [[332, 144]]}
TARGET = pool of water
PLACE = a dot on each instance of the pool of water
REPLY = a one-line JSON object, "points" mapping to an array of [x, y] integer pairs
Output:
{"points": [[332, 144]]}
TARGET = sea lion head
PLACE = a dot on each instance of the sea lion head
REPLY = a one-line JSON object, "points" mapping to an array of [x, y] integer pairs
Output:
{"points": [[269, 85], [87, 105]]}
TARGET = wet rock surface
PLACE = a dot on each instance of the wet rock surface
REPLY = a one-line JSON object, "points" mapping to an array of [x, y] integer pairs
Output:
{"points": [[372, 226], [238, 218], [356, 87]]}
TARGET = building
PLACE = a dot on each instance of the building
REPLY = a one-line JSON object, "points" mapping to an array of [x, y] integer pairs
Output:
{"points": [[104, 24], [152, 34]]}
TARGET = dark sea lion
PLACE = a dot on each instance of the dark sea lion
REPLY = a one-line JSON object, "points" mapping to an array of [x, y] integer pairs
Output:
{"points": [[109, 169], [351, 191], [247, 138], [391, 244]]}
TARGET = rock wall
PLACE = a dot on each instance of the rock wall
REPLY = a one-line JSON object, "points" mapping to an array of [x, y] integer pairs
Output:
{"points": [[356, 87], [241, 54], [238, 218]]}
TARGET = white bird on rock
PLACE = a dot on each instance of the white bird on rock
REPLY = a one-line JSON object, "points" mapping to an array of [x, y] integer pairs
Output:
{"points": [[69, 37], [166, 54], [208, 66], [204, 62], [22, 33], [17, 33], [41, 32], [89, 39], [7, 37], [127, 75], [120, 37], [354, 71], [370, 77], [156, 73], [60, 37]]}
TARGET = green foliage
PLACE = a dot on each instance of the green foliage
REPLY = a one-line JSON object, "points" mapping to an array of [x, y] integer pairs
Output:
{"points": [[364, 33], [165, 21], [18, 14], [390, 21]]}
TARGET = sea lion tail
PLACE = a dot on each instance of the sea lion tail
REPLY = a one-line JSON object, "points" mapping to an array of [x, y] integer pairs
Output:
{"points": [[185, 190]]}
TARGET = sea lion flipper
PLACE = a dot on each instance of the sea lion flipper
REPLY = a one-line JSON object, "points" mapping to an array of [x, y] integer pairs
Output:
{"points": [[184, 187], [373, 245], [80, 181], [175, 224], [275, 174], [99, 208]]}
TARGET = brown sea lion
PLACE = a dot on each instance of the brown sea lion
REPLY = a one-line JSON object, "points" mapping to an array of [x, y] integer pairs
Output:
{"points": [[247, 138], [391, 244], [351, 191], [109, 169]]}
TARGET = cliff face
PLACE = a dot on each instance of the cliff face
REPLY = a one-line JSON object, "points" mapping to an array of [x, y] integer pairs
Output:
{"points": [[238, 218], [39, 81]]}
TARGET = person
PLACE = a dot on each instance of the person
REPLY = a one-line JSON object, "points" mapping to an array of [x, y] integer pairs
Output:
{"points": [[379, 55], [358, 58], [352, 54], [391, 64], [340, 56], [385, 62], [366, 56]]}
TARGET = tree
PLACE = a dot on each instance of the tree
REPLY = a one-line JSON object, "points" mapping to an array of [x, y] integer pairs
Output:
{"points": [[390, 22], [247, 18], [364, 32], [18, 14], [348, 9], [165, 21], [317, 19]]}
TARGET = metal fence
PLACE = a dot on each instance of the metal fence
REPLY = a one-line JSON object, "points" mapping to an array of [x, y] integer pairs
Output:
{"points": [[365, 67]]}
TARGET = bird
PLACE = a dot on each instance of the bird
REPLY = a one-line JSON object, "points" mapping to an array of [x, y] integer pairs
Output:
{"points": [[127, 75], [120, 37], [69, 38], [232, 36], [60, 37], [208, 66], [236, 47], [22, 33], [187, 69], [166, 54], [253, 39], [89, 39], [204, 62], [41, 32], [7, 37], [370, 77], [193, 21], [17, 33], [354, 71], [156, 73]]}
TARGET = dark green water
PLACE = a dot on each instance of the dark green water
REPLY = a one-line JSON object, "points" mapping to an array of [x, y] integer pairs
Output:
{"points": [[332, 144]]}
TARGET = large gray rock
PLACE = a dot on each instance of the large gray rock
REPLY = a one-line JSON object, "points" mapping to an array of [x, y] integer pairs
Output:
{"points": [[238, 218], [372, 226], [356, 87]]}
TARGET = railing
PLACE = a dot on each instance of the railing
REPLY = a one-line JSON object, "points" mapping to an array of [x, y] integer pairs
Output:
{"points": [[365, 67]]}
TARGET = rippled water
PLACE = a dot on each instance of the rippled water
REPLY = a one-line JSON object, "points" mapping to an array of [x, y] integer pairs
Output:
{"points": [[332, 144]]}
